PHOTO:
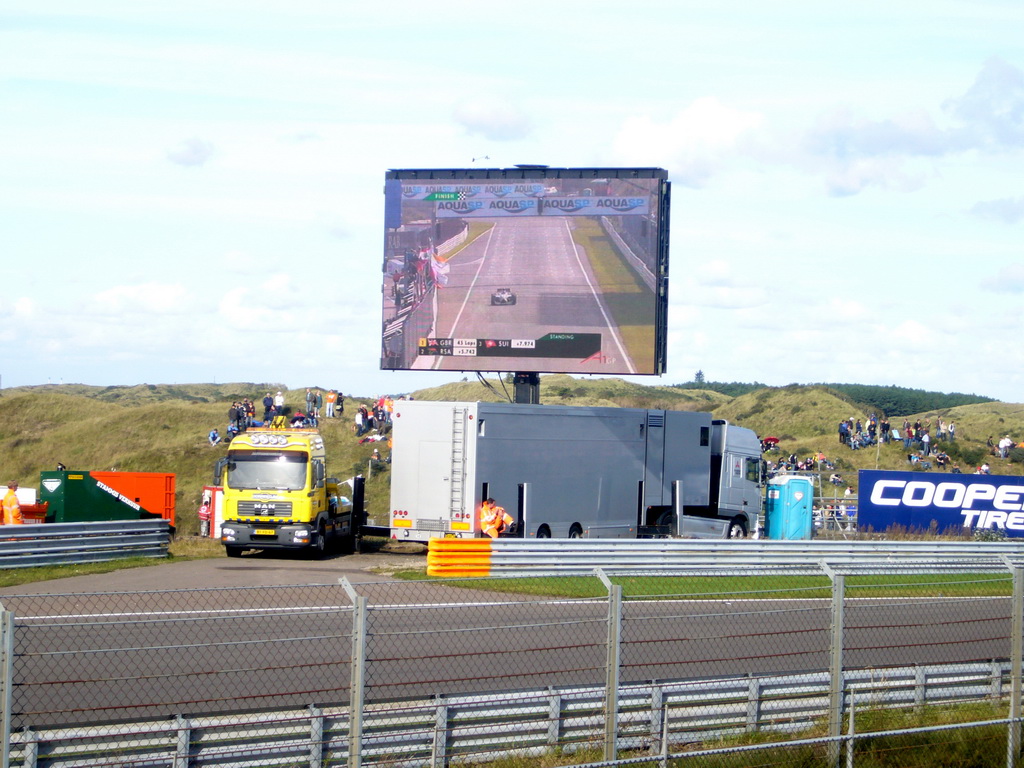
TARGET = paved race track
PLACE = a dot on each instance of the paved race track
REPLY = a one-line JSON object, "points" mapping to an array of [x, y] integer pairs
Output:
{"points": [[223, 635]]}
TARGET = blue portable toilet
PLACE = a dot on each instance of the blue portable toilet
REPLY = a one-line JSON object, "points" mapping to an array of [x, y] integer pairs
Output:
{"points": [[789, 508]]}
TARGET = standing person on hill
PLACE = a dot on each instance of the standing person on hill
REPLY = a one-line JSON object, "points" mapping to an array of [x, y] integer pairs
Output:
{"points": [[268, 407], [278, 402], [332, 398], [310, 400], [341, 404], [11, 507]]}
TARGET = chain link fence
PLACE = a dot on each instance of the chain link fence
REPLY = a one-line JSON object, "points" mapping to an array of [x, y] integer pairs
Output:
{"points": [[883, 668]]}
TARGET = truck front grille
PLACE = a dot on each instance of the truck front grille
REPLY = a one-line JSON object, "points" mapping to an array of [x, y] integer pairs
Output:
{"points": [[265, 508]]}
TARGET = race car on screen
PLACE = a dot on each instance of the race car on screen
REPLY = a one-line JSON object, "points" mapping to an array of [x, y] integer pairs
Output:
{"points": [[503, 296]]}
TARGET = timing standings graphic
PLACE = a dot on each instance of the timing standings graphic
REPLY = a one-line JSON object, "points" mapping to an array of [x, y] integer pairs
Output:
{"points": [[546, 270]]}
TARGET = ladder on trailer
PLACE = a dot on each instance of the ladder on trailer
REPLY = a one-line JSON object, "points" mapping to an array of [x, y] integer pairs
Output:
{"points": [[458, 472]]}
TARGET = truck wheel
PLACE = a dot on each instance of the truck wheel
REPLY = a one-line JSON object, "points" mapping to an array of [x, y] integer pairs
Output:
{"points": [[233, 551], [667, 520], [575, 532], [543, 532], [320, 548], [737, 528]]}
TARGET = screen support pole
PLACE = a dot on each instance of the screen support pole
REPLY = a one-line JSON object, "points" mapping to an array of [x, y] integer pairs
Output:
{"points": [[527, 388]]}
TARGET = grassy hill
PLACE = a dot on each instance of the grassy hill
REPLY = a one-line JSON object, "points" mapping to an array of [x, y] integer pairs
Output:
{"points": [[560, 389], [163, 428], [150, 429]]}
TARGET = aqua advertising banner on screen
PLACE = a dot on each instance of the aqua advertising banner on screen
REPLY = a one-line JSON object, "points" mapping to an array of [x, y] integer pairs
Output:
{"points": [[913, 500]]}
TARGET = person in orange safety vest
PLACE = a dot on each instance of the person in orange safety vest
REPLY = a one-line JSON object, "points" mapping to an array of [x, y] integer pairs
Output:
{"points": [[11, 507], [493, 519]]}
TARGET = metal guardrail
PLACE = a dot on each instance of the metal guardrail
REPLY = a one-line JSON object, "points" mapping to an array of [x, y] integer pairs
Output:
{"points": [[486, 557], [24, 546], [652, 717]]}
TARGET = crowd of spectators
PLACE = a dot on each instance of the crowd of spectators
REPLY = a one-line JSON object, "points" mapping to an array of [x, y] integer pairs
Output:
{"points": [[817, 462], [277, 415], [855, 434], [373, 424]]}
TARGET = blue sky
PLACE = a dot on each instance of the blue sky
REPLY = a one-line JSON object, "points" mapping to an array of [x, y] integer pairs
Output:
{"points": [[192, 192]]}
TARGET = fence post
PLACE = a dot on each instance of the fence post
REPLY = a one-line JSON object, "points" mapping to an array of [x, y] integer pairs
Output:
{"points": [[754, 704], [1016, 664], [6, 680], [358, 675], [554, 717], [183, 741], [439, 751], [611, 702], [657, 716], [316, 736], [835, 667]]}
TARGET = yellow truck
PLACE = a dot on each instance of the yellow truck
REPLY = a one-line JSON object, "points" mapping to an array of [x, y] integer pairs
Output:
{"points": [[277, 495]]}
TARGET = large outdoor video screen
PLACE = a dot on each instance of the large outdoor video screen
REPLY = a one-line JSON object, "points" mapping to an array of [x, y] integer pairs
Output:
{"points": [[526, 269]]}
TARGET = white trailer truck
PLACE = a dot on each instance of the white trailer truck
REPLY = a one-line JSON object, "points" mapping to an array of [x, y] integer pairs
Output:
{"points": [[571, 472]]}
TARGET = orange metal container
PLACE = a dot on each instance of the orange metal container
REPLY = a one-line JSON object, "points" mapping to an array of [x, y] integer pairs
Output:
{"points": [[153, 491]]}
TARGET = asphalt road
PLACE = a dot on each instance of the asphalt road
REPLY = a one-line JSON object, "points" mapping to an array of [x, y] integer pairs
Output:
{"points": [[252, 570], [262, 632]]}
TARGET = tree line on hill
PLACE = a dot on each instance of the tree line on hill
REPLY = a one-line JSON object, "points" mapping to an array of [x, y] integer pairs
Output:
{"points": [[890, 400]]}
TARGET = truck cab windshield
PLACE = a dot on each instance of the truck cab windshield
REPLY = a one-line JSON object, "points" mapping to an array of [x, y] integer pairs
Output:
{"points": [[267, 470]]}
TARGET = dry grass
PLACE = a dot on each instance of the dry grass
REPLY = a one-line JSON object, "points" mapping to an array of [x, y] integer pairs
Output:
{"points": [[151, 429]]}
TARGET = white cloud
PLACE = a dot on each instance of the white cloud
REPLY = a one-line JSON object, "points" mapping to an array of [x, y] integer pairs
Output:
{"points": [[147, 299], [25, 308], [840, 134], [992, 109], [492, 119], [715, 285], [1009, 279], [1009, 210], [695, 142], [848, 309], [191, 152]]}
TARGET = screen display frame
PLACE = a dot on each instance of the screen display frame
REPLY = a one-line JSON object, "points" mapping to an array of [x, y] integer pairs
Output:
{"points": [[528, 269]]}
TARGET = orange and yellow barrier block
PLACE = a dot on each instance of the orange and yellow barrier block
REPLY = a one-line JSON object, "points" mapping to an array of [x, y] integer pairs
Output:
{"points": [[459, 557]]}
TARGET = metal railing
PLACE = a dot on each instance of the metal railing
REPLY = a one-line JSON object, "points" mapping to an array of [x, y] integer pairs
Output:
{"points": [[509, 556], [24, 546], [653, 718]]}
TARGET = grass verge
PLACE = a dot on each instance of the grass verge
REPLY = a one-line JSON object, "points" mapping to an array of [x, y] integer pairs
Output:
{"points": [[743, 587]]}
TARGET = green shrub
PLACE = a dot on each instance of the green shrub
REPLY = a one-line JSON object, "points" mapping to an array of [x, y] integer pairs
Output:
{"points": [[971, 456], [989, 534]]}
